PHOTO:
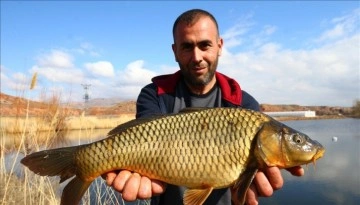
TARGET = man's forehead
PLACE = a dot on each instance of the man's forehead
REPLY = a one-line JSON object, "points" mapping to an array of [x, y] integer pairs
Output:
{"points": [[197, 21], [204, 29]]}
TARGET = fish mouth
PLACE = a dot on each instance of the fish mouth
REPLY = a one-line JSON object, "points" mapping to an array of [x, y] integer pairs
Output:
{"points": [[318, 154]]}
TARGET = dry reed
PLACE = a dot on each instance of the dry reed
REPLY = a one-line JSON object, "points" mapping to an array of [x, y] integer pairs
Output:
{"points": [[18, 185]]}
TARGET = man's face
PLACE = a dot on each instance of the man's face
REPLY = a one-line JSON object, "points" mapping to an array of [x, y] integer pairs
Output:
{"points": [[197, 49]]}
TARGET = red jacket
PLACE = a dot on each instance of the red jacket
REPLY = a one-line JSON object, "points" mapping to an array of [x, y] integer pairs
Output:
{"points": [[158, 97]]}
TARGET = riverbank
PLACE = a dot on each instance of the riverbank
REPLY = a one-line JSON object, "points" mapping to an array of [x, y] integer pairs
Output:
{"points": [[322, 117], [38, 124], [20, 115]]}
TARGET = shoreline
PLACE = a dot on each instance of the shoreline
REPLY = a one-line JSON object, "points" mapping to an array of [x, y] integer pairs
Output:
{"points": [[22, 124], [321, 117], [39, 124]]}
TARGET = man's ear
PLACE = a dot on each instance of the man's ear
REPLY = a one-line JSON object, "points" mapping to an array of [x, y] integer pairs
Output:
{"points": [[220, 44], [173, 46]]}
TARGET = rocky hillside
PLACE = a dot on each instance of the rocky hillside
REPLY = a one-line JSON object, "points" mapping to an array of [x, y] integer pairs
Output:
{"points": [[16, 106]]}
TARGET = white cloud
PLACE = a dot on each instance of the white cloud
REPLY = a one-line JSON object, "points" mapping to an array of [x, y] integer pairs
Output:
{"points": [[102, 68], [55, 58], [16, 81], [276, 75], [125, 84], [57, 66], [324, 75], [59, 75], [86, 48], [233, 35], [269, 29], [342, 26], [11, 83], [135, 74]]}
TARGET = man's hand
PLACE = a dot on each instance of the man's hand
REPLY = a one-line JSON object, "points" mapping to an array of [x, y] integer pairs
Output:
{"points": [[133, 186], [267, 181]]}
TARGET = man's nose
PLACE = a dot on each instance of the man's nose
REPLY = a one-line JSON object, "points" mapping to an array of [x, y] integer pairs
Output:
{"points": [[197, 55]]}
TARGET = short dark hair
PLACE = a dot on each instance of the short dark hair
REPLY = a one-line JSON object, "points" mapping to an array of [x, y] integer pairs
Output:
{"points": [[191, 16]]}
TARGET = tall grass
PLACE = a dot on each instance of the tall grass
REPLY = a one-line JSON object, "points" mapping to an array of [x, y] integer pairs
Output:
{"points": [[19, 185]]}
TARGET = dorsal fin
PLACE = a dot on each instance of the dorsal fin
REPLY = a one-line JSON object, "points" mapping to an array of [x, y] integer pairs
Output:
{"points": [[122, 127]]}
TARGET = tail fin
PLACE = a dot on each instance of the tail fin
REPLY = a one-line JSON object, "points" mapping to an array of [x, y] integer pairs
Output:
{"points": [[52, 162], [59, 162]]}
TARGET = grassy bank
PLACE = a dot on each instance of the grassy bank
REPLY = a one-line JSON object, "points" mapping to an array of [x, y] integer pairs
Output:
{"points": [[18, 185], [38, 124]]}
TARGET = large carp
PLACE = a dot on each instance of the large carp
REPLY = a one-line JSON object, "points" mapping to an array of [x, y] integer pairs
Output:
{"points": [[201, 149]]}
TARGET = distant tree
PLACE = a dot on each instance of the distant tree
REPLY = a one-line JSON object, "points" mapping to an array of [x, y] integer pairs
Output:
{"points": [[356, 109]]}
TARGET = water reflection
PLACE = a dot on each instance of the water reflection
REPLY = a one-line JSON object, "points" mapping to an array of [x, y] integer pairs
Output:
{"points": [[335, 180]]}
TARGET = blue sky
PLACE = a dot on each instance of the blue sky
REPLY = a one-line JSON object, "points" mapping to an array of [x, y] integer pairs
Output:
{"points": [[282, 52]]}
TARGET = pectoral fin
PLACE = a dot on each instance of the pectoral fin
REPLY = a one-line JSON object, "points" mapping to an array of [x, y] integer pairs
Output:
{"points": [[243, 184], [74, 191], [196, 196]]}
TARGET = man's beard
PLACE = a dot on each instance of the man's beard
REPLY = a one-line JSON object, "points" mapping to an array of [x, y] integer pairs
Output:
{"points": [[195, 81]]}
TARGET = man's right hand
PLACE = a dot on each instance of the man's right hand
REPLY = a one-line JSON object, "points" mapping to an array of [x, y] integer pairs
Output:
{"points": [[133, 186]]}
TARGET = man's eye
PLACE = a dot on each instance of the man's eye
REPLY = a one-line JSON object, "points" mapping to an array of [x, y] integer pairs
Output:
{"points": [[205, 46], [187, 47]]}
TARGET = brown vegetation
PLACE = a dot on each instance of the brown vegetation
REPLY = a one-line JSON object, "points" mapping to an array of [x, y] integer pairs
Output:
{"points": [[356, 109], [11, 106], [15, 106]]}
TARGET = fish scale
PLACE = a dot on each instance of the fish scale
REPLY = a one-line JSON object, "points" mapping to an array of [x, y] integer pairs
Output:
{"points": [[201, 149], [210, 129]]}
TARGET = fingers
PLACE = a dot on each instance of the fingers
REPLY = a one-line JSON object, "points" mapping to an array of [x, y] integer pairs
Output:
{"points": [[126, 183], [109, 177], [120, 180], [264, 184], [267, 181], [275, 178], [157, 187], [252, 196], [296, 171], [145, 189], [133, 186]]}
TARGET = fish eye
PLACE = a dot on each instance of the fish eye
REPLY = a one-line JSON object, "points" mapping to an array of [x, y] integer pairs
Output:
{"points": [[297, 139]]}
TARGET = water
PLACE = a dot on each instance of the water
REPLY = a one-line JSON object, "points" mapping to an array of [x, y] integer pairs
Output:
{"points": [[336, 178], [334, 181]]}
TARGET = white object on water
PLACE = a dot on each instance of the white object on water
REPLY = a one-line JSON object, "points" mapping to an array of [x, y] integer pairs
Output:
{"points": [[334, 139]]}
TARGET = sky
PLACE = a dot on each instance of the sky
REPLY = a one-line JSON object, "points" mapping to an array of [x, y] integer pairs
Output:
{"points": [[281, 52]]}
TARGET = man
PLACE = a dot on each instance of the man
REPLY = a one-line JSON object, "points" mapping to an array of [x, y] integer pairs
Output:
{"points": [[197, 47]]}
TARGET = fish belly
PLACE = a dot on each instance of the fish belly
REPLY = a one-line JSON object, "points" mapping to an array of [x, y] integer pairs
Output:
{"points": [[198, 149]]}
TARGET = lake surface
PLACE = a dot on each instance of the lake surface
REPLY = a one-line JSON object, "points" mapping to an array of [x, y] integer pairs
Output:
{"points": [[334, 181], [336, 178]]}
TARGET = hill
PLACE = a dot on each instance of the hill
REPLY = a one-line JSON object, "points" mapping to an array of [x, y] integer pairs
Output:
{"points": [[17, 106]]}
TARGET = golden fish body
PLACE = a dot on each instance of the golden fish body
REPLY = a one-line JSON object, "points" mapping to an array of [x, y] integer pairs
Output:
{"points": [[200, 149]]}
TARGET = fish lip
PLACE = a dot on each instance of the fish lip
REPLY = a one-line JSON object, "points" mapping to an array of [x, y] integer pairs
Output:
{"points": [[319, 154]]}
